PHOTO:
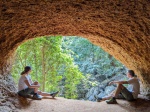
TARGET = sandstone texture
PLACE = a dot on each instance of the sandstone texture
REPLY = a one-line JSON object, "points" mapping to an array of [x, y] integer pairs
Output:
{"points": [[120, 27]]}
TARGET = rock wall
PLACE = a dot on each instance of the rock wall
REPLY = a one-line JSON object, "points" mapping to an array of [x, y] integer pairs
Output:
{"points": [[121, 27]]}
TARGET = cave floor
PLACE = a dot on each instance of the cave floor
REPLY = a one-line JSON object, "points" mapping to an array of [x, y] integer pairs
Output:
{"points": [[69, 105]]}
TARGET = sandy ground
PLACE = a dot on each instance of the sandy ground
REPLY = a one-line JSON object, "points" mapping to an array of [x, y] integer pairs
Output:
{"points": [[69, 105]]}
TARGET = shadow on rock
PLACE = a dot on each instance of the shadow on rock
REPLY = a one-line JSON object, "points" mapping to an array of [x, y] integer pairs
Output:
{"points": [[138, 105], [24, 102]]}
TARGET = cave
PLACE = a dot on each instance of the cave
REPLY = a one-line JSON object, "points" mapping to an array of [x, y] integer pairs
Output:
{"points": [[121, 28]]}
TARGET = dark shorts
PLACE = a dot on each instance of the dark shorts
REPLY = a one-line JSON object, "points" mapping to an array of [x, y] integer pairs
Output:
{"points": [[125, 94], [26, 91]]}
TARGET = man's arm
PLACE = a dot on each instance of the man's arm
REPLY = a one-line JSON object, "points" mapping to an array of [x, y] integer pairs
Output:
{"points": [[118, 82]]}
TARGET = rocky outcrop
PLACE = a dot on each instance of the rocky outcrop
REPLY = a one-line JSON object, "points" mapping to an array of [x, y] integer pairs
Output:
{"points": [[103, 89], [121, 28]]}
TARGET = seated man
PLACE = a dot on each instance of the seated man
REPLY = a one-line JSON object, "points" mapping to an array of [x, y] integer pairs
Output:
{"points": [[122, 92]]}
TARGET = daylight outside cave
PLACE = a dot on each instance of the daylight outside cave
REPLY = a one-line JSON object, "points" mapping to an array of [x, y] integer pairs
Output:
{"points": [[73, 66]]}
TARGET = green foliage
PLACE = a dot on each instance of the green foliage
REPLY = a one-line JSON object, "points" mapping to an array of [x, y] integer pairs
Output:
{"points": [[71, 65], [91, 59], [49, 65], [73, 77], [95, 64]]}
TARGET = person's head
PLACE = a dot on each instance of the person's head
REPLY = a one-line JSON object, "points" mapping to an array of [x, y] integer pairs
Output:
{"points": [[27, 70], [130, 73]]}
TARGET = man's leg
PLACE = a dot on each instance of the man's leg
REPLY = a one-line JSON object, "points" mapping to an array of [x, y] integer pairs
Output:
{"points": [[106, 97], [127, 94], [103, 98], [120, 87], [112, 94], [118, 90]]}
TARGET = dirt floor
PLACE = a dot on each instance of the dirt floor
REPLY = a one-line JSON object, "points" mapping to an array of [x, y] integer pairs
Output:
{"points": [[69, 105]]}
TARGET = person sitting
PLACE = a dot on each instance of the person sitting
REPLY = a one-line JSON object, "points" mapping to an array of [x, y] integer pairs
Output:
{"points": [[130, 93], [27, 87]]}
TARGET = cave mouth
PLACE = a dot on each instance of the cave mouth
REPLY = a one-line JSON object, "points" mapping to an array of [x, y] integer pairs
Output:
{"points": [[119, 28], [86, 60], [7, 83]]}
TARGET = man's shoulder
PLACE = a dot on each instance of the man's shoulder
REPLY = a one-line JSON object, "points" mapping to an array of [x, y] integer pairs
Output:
{"points": [[133, 79]]}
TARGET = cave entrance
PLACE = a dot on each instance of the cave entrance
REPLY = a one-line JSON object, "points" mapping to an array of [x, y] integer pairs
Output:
{"points": [[119, 28], [70, 64]]}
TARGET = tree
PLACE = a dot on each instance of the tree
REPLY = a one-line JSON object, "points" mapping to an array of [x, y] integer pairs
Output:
{"points": [[51, 64]]}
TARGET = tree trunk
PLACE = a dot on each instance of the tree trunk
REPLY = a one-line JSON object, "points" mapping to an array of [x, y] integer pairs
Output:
{"points": [[43, 69], [35, 60]]}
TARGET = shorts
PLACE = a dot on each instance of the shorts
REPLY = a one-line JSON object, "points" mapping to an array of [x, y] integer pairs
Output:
{"points": [[125, 94], [26, 91]]}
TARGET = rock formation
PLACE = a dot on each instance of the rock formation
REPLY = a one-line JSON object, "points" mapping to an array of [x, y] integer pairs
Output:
{"points": [[120, 27]]}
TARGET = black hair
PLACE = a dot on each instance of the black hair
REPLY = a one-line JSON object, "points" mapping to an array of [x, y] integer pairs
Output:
{"points": [[131, 72], [26, 69]]}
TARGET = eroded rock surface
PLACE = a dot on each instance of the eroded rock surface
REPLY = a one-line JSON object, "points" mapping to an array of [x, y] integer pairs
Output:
{"points": [[122, 28]]}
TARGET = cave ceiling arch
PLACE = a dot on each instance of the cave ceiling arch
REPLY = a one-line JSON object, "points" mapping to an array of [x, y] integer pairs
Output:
{"points": [[122, 28]]}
